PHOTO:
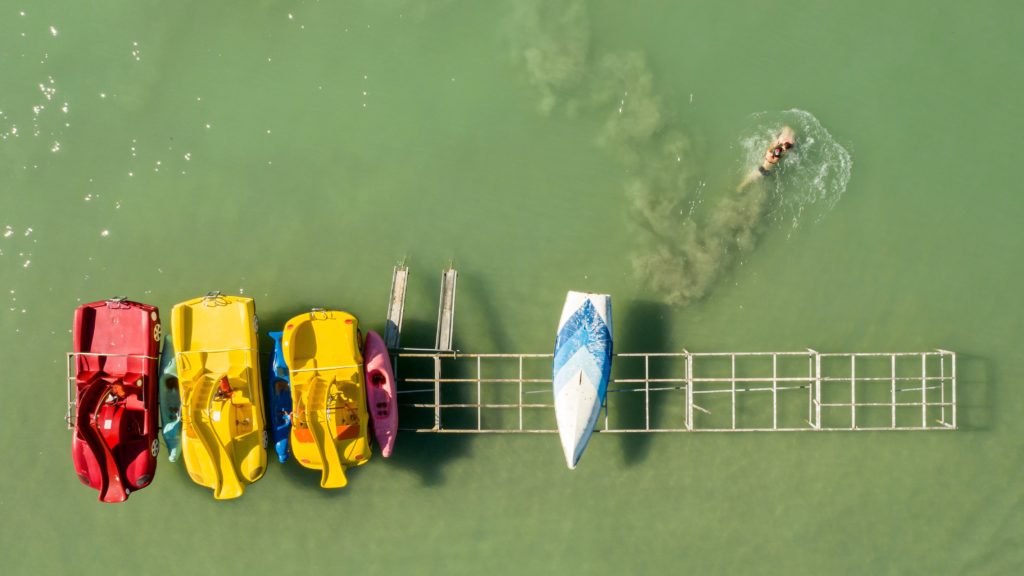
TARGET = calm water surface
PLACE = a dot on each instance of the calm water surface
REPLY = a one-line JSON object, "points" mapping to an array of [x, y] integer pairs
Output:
{"points": [[295, 151]]}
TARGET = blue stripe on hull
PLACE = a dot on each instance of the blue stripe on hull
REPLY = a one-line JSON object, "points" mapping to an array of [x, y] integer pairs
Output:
{"points": [[585, 329], [279, 401], [583, 344]]}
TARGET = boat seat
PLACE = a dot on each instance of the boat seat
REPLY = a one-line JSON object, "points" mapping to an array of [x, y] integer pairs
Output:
{"points": [[134, 402], [238, 373], [87, 376], [239, 398], [132, 383]]}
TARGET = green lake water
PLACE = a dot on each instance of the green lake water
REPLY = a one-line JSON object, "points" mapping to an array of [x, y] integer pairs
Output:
{"points": [[295, 151]]}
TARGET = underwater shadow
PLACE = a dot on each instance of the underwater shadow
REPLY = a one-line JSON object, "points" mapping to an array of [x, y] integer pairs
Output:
{"points": [[181, 475], [308, 479], [478, 293], [977, 394], [182, 478], [425, 453], [646, 331]]}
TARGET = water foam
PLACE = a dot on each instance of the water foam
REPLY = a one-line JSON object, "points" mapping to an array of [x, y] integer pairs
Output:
{"points": [[812, 178]]}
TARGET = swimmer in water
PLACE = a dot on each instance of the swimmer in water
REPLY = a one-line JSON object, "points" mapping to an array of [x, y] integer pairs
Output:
{"points": [[778, 148]]}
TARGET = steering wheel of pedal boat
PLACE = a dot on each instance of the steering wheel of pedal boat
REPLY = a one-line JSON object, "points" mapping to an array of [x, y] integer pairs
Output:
{"points": [[214, 298], [118, 302]]}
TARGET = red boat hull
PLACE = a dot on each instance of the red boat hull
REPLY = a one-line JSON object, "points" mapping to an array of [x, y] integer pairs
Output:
{"points": [[114, 446]]}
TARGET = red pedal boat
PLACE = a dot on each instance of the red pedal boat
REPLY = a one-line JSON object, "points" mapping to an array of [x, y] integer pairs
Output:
{"points": [[112, 396]]}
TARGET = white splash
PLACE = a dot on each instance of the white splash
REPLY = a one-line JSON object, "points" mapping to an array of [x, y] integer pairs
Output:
{"points": [[813, 177]]}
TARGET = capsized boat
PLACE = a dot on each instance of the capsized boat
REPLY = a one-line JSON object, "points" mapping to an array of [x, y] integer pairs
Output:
{"points": [[279, 400], [224, 436], [582, 368], [381, 398], [329, 420], [170, 401], [112, 399]]}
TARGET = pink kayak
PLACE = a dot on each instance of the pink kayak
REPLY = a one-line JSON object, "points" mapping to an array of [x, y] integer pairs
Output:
{"points": [[380, 392]]}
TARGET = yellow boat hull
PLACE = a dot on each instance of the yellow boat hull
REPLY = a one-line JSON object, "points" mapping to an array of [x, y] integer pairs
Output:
{"points": [[329, 417], [224, 435]]}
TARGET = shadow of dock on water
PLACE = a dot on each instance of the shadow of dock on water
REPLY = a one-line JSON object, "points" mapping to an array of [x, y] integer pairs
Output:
{"points": [[425, 453], [646, 329]]}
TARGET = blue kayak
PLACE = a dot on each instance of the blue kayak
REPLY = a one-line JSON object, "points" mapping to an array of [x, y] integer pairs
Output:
{"points": [[279, 401], [170, 401]]}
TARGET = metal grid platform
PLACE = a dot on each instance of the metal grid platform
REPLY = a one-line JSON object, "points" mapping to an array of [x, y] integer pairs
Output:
{"points": [[450, 392]]}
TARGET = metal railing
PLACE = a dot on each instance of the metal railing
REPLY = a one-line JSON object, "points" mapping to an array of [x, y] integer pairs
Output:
{"points": [[451, 392]]}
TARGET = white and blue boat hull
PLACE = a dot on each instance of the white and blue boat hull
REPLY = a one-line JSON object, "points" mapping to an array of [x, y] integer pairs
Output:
{"points": [[582, 368]]}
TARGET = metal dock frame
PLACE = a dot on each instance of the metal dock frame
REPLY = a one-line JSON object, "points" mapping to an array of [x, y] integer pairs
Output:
{"points": [[704, 391]]}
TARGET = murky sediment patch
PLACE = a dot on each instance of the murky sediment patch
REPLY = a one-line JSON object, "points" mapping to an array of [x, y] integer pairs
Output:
{"points": [[687, 235]]}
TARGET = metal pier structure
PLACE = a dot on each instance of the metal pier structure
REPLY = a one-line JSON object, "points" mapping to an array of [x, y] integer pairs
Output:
{"points": [[443, 390], [806, 391]]}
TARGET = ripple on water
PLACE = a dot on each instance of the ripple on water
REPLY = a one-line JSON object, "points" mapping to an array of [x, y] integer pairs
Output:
{"points": [[812, 178]]}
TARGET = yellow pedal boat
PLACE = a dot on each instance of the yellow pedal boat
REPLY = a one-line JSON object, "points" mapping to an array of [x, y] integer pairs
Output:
{"points": [[224, 435], [329, 417]]}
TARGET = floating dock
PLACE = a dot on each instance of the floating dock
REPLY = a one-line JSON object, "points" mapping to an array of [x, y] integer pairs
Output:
{"points": [[396, 306], [446, 310], [447, 391], [451, 392]]}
